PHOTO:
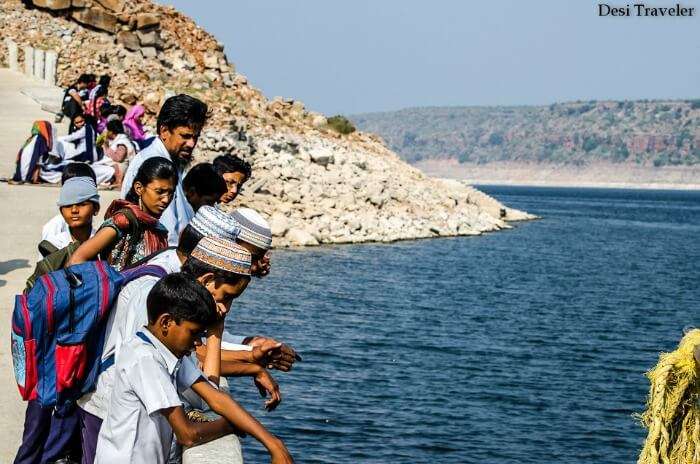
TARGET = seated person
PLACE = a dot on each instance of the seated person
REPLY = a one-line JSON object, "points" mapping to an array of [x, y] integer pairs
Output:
{"points": [[34, 153], [235, 172], [117, 147], [133, 125], [81, 146], [203, 186]]}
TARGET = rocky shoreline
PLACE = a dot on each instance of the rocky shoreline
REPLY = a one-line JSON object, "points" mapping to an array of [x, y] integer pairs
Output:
{"points": [[315, 185]]}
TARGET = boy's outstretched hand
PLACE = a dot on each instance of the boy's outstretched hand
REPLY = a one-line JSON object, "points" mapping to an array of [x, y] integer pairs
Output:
{"points": [[267, 384], [272, 354]]}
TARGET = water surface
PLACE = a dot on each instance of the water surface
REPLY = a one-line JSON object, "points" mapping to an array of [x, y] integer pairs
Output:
{"points": [[523, 346]]}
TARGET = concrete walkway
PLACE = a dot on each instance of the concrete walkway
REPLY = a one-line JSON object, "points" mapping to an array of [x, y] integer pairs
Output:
{"points": [[23, 211]]}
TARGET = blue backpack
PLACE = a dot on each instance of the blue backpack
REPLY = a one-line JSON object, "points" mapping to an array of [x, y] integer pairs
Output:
{"points": [[58, 330]]}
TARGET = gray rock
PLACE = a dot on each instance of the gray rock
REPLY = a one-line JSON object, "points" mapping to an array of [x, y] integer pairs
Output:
{"points": [[129, 40], [300, 237], [150, 39], [149, 52]]}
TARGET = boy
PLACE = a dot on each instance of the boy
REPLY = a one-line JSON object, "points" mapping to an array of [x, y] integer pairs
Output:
{"points": [[145, 409], [216, 262], [48, 435], [56, 233], [235, 172], [78, 203], [203, 186]]}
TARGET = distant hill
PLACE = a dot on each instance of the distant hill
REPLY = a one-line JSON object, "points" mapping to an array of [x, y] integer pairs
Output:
{"points": [[642, 133]]}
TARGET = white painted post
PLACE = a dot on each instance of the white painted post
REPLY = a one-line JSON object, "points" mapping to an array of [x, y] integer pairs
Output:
{"points": [[50, 67], [28, 60], [12, 54], [39, 56]]}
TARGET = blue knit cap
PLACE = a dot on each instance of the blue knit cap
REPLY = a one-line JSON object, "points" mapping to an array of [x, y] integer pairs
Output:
{"points": [[77, 190]]}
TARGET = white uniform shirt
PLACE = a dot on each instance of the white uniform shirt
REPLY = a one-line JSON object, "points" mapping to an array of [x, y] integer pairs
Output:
{"points": [[179, 213], [125, 319], [57, 232], [148, 376]]}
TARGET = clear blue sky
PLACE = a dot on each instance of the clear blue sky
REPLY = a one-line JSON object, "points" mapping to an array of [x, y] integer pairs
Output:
{"points": [[357, 56]]}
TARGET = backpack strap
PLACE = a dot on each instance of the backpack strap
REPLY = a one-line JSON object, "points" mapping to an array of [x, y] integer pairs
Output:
{"points": [[145, 270], [131, 275], [46, 248], [134, 232]]}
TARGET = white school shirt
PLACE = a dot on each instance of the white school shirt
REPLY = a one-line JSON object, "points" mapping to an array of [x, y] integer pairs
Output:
{"points": [[128, 316], [179, 213], [148, 376], [57, 232]]}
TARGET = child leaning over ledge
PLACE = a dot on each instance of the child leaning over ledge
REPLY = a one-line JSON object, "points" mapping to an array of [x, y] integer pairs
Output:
{"points": [[145, 409]]}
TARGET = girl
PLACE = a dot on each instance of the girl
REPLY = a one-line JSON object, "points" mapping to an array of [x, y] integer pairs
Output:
{"points": [[131, 229], [133, 125], [34, 153]]}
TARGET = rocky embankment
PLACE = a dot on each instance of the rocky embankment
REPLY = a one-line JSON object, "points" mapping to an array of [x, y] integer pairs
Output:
{"points": [[315, 185]]}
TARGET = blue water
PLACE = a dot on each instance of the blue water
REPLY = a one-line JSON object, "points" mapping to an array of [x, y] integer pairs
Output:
{"points": [[522, 346]]}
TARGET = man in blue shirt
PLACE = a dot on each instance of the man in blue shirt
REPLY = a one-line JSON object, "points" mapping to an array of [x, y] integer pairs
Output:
{"points": [[180, 122]]}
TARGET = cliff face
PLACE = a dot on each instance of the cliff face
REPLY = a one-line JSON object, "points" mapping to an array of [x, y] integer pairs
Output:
{"points": [[315, 185], [639, 133]]}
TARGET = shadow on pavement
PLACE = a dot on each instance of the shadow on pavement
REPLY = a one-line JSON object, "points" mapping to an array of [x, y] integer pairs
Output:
{"points": [[11, 265]]}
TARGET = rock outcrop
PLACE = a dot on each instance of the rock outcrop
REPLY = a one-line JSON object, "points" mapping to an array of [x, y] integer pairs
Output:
{"points": [[315, 185]]}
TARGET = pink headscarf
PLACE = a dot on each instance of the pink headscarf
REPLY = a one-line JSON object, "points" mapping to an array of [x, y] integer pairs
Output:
{"points": [[131, 121]]}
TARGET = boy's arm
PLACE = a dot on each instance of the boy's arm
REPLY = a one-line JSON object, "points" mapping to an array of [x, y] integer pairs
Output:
{"points": [[211, 363], [225, 406], [190, 433], [92, 247]]}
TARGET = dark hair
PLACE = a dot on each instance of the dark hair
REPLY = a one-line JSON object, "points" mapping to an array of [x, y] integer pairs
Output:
{"points": [[196, 268], [115, 126], [104, 86], [184, 298], [85, 78], [119, 110], [182, 110], [189, 238], [151, 169], [77, 170], [231, 163], [204, 180]]}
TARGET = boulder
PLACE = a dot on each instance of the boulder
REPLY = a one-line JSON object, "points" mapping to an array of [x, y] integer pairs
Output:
{"points": [[150, 39], [53, 4], [322, 156], [147, 20], [300, 237], [149, 52], [129, 40], [211, 61], [116, 6], [279, 224], [318, 120], [151, 101], [97, 18]]}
